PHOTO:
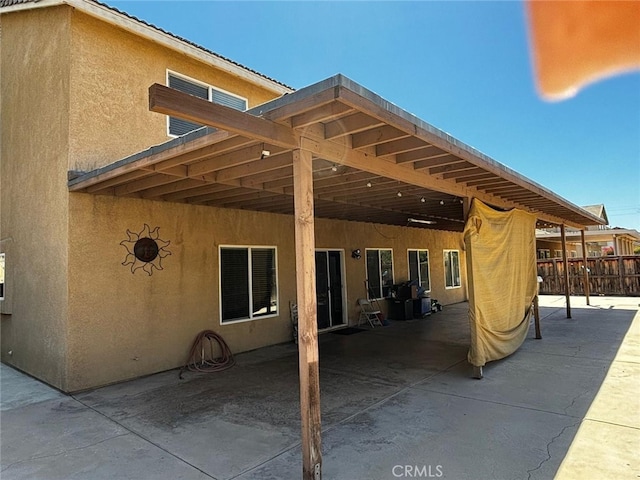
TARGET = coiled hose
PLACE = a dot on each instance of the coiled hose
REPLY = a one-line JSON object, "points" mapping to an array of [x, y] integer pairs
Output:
{"points": [[201, 357]]}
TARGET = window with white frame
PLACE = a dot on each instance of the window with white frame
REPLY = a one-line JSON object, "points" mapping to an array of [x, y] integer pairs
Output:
{"points": [[557, 254], [379, 272], [419, 268], [178, 126], [1, 276], [451, 268], [248, 283]]}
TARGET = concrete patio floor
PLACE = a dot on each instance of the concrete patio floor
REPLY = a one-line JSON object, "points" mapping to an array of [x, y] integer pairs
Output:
{"points": [[397, 402]]}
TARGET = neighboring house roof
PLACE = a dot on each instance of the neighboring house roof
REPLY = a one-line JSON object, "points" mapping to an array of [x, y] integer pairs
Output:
{"points": [[9, 3], [152, 32], [599, 211]]}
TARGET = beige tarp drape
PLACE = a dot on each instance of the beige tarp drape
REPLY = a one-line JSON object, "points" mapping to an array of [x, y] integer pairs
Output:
{"points": [[501, 266]]}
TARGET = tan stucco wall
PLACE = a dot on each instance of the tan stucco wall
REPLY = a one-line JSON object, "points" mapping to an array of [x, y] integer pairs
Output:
{"points": [[34, 92], [112, 71], [124, 325]]}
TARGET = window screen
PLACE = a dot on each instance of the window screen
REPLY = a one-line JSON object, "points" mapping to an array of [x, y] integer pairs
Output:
{"points": [[379, 272], [248, 283], [180, 127], [419, 268], [263, 274], [234, 283], [452, 268]]}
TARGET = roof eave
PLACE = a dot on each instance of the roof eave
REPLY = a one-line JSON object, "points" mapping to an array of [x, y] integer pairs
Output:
{"points": [[144, 30]]}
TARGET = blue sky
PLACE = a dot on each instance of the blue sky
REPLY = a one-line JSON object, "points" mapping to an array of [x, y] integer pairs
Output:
{"points": [[463, 67]]}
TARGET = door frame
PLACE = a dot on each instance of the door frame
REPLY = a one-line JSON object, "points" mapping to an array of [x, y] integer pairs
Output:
{"points": [[343, 276]]}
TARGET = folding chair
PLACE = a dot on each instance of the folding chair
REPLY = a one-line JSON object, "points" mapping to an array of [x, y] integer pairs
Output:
{"points": [[368, 313], [293, 309]]}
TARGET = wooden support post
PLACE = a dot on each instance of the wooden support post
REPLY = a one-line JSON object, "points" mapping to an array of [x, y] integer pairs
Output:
{"points": [[536, 316], [585, 262], [466, 206], [565, 263], [307, 323]]}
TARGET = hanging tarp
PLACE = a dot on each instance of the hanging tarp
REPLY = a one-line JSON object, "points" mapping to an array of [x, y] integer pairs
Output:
{"points": [[501, 266]]}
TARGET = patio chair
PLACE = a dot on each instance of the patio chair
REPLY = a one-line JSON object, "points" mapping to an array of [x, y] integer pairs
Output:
{"points": [[368, 313]]}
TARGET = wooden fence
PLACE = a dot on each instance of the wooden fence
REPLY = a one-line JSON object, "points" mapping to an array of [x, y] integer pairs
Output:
{"points": [[608, 275]]}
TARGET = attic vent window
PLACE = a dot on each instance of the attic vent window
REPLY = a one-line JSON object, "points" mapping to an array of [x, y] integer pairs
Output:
{"points": [[178, 126]]}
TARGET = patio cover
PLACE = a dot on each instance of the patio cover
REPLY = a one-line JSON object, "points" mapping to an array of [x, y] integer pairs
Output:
{"points": [[501, 266], [372, 162]]}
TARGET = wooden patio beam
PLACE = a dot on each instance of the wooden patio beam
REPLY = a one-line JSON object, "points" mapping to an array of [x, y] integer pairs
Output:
{"points": [[115, 181], [103, 175], [426, 153], [227, 160], [268, 164], [470, 177], [320, 114], [172, 102], [180, 185], [232, 143], [148, 182], [461, 173], [354, 123], [401, 145], [183, 195], [492, 180], [376, 136], [452, 167]]}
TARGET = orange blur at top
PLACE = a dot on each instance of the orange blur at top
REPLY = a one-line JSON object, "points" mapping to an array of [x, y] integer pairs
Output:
{"points": [[578, 42]]}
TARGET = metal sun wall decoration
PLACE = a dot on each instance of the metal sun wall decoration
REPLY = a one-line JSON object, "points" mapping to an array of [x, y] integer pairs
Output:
{"points": [[145, 250]]}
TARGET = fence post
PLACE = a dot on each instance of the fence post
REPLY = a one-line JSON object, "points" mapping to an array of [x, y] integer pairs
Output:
{"points": [[565, 262], [585, 264]]}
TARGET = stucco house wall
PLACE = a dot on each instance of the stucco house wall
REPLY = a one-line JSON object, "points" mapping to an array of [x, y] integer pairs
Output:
{"points": [[80, 318], [34, 93]]}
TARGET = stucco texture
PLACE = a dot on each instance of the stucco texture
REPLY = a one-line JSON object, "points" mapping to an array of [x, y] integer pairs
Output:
{"points": [[111, 72], [33, 222], [125, 324]]}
